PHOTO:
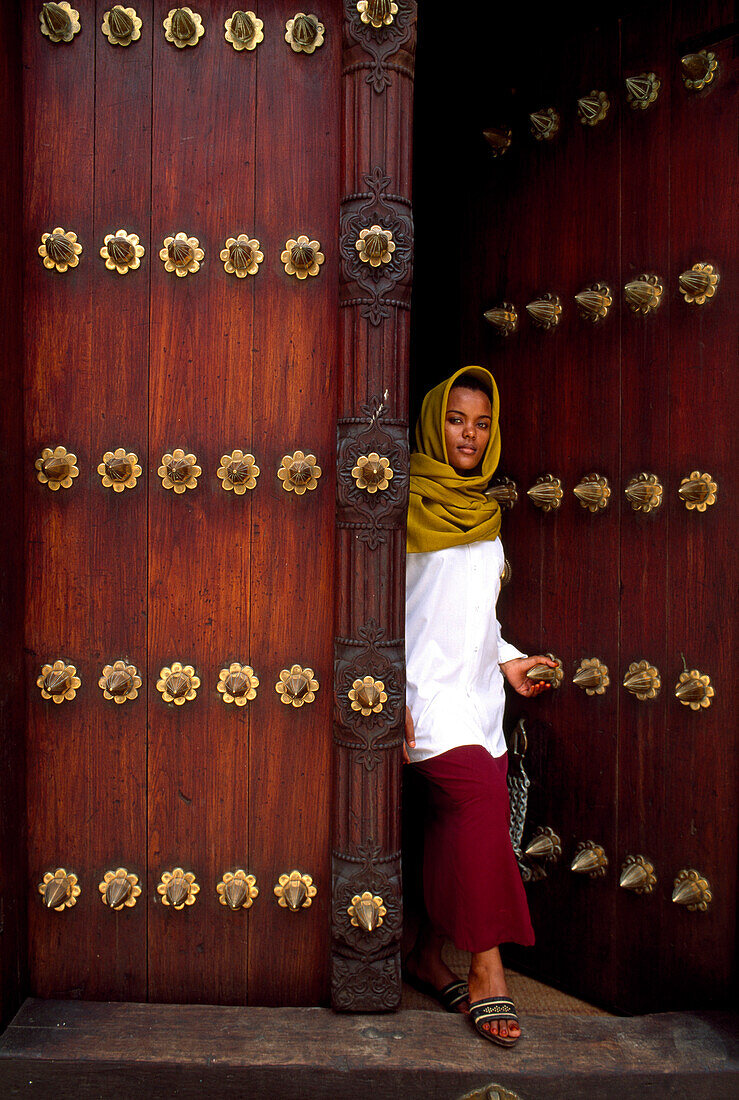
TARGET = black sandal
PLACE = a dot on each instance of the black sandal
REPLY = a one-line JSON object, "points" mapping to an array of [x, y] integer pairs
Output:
{"points": [[450, 997], [482, 1013]]}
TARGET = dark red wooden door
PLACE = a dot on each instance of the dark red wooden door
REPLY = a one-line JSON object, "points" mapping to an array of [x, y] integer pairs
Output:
{"points": [[211, 142]]}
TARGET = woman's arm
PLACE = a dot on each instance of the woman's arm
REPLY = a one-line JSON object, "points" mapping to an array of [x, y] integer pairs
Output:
{"points": [[410, 735]]}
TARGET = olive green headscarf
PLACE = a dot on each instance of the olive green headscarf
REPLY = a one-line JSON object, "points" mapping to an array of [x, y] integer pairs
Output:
{"points": [[447, 508]]}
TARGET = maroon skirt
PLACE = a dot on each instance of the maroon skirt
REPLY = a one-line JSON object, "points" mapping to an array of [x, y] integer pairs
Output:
{"points": [[471, 882]]}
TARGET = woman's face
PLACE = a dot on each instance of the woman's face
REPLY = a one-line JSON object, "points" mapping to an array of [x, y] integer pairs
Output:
{"points": [[466, 428]]}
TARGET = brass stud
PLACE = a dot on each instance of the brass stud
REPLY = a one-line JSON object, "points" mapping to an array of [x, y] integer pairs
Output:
{"points": [[183, 27], [178, 684], [545, 844], [119, 469], [698, 491], [302, 257], [590, 859], [59, 890], [699, 69], [119, 889], [593, 492], [642, 90], [592, 676], [367, 911], [595, 302], [643, 680], [504, 491], [545, 312], [546, 493], [375, 246], [238, 471], [503, 318], [58, 681], [244, 31], [377, 13], [121, 26], [241, 256], [643, 294], [237, 890], [295, 891], [692, 890], [296, 686], [694, 689], [120, 682], [122, 252], [546, 674], [56, 468], [179, 471], [544, 124], [699, 284], [507, 574], [593, 108], [298, 472], [637, 875], [499, 139], [181, 254], [59, 22], [304, 33], [372, 472], [237, 684], [644, 492], [178, 888], [60, 249], [368, 696]]}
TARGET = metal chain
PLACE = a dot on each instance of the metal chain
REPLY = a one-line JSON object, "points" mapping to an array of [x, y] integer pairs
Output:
{"points": [[518, 794]]}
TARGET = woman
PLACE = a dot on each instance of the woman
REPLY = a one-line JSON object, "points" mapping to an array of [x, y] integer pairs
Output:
{"points": [[456, 661]]}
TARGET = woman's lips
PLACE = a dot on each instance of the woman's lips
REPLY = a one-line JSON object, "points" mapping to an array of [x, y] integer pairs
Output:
{"points": [[467, 450]]}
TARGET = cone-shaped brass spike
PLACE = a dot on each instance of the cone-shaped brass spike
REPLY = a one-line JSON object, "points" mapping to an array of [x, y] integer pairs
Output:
{"points": [[376, 245], [698, 491], [694, 689], [592, 676], [642, 680], [644, 492], [368, 695], [180, 252], [59, 248], [593, 108], [644, 294], [57, 890], [240, 255], [178, 889], [545, 312], [117, 891], [56, 467], [503, 318], [499, 140], [546, 493], [505, 492], [545, 844], [302, 256], [120, 250], [178, 684], [692, 890], [637, 874], [120, 22], [242, 27], [593, 492], [183, 25], [697, 285], [544, 124], [642, 90], [695, 282], [699, 69], [57, 20], [594, 302], [296, 685], [235, 893], [546, 674], [305, 32], [295, 893], [590, 859], [366, 911], [118, 681], [57, 681], [380, 11], [367, 914]]}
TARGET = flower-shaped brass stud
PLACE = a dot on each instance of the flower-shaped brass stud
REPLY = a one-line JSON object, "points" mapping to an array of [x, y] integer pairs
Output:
{"points": [[593, 492], [368, 696], [179, 471], [545, 312], [181, 254], [692, 890], [545, 844], [59, 890], [119, 889], [178, 888], [372, 472], [594, 302], [699, 69], [241, 256], [544, 124], [699, 284], [375, 245], [178, 684], [60, 249], [299, 472], [302, 257], [304, 33], [694, 689], [546, 493], [121, 26], [119, 469], [183, 27], [643, 680], [367, 911], [637, 875], [296, 686], [593, 108], [237, 890], [56, 468], [295, 891], [122, 252], [237, 684], [499, 139], [643, 294], [377, 13], [547, 674], [238, 471], [59, 22], [590, 859], [642, 90], [503, 318], [58, 681], [592, 676], [644, 492], [244, 30], [120, 682], [698, 491], [504, 491]]}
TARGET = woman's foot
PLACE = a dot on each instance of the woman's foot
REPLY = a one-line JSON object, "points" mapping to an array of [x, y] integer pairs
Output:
{"points": [[487, 979], [425, 964]]}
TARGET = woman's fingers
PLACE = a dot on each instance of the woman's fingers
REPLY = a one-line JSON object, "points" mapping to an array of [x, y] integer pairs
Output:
{"points": [[410, 735]]}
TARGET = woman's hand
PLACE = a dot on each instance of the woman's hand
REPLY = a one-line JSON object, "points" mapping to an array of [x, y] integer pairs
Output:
{"points": [[515, 673], [410, 735]]}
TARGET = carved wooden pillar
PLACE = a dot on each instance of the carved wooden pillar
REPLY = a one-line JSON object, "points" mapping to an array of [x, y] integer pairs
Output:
{"points": [[376, 264]]}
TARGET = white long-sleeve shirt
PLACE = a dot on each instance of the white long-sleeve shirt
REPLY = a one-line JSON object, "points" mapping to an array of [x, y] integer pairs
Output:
{"points": [[454, 649]]}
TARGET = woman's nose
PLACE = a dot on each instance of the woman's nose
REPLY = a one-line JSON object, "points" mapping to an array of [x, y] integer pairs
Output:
{"points": [[469, 431]]}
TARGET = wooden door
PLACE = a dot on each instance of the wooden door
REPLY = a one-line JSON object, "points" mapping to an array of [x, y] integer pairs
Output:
{"points": [[643, 192]]}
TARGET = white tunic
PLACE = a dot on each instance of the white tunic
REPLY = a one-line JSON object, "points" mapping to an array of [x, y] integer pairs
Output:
{"points": [[454, 648]]}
